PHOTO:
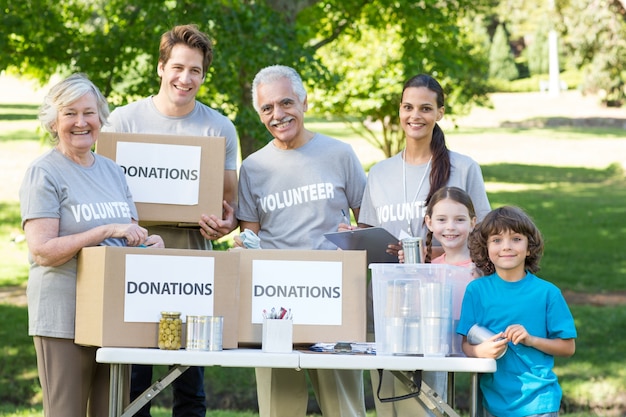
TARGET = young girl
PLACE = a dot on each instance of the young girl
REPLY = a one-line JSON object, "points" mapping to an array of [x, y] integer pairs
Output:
{"points": [[528, 315], [450, 217]]}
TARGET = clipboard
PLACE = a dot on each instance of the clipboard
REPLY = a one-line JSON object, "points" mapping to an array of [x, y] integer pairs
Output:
{"points": [[374, 240]]}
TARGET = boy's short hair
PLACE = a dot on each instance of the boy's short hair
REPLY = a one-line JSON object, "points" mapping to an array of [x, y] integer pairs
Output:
{"points": [[503, 219]]}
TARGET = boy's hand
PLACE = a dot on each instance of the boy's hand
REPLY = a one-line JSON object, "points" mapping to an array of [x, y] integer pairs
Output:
{"points": [[494, 347], [517, 333]]}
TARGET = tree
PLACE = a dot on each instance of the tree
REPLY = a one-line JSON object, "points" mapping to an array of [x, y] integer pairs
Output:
{"points": [[601, 52], [391, 42], [35, 34], [115, 42], [537, 51], [591, 35], [501, 61]]}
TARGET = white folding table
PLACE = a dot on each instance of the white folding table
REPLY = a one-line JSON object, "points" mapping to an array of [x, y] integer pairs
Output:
{"points": [[120, 358]]}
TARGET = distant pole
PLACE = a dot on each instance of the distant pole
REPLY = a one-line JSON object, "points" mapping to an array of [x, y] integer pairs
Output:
{"points": [[554, 85]]}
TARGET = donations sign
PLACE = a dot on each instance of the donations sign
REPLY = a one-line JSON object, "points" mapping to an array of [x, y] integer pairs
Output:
{"points": [[161, 174], [311, 290], [156, 283]]}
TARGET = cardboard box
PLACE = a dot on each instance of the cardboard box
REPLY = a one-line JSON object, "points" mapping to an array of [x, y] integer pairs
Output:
{"points": [[173, 179], [324, 291], [121, 291]]}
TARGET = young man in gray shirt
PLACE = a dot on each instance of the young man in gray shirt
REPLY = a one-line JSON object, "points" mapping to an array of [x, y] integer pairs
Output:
{"points": [[185, 54]]}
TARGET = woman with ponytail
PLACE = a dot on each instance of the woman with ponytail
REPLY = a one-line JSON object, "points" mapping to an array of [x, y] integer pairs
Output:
{"points": [[397, 195], [399, 188]]}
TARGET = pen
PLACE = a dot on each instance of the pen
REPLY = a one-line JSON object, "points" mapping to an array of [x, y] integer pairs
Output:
{"points": [[277, 314], [346, 220]]}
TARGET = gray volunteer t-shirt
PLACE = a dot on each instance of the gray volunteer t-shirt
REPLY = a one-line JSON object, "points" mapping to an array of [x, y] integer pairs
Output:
{"points": [[384, 201], [81, 198], [298, 195]]}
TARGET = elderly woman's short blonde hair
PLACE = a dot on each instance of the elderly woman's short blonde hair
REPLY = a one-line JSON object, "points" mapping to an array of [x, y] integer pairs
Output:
{"points": [[64, 94]]}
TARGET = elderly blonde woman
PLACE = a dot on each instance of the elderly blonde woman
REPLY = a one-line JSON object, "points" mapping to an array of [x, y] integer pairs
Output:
{"points": [[71, 198]]}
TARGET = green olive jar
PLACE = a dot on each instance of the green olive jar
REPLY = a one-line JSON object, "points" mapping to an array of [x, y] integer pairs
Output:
{"points": [[170, 330]]}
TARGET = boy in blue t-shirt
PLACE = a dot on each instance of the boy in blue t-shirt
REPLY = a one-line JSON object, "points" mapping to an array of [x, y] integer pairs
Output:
{"points": [[529, 316]]}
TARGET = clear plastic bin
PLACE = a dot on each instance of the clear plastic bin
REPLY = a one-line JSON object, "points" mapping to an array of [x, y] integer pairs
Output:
{"points": [[417, 308]]}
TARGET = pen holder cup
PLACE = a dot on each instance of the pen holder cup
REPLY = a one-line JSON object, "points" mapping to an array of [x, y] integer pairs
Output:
{"points": [[277, 335]]}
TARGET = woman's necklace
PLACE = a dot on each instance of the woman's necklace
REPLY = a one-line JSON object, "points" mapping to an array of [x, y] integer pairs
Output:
{"points": [[419, 187]]}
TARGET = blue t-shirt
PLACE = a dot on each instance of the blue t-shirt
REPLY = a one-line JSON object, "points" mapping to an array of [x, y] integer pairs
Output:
{"points": [[524, 383]]}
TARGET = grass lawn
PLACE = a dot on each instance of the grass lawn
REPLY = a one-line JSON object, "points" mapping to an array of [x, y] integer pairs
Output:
{"points": [[580, 210]]}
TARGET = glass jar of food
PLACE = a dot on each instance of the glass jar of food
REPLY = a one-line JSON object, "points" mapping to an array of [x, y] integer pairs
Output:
{"points": [[170, 330]]}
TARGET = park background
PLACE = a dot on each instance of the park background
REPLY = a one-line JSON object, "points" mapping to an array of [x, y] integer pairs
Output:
{"points": [[560, 155]]}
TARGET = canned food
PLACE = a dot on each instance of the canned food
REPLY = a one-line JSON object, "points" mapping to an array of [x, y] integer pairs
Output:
{"points": [[412, 247], [478, 334]]}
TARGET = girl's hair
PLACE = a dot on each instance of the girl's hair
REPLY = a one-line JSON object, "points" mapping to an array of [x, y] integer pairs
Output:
{"points": [[440, 171], [274, 73], [455, 194], [190, 36], [64, 94], [505, 219]]}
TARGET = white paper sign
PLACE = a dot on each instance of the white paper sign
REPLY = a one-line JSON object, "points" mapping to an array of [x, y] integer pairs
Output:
{"points": [[311, 289], [160, 173], [156, 283]]}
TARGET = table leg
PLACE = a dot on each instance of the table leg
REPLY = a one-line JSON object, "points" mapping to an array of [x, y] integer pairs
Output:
{"points": [[116, 390], [152, 391], [451, 394], [474, 406]]}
